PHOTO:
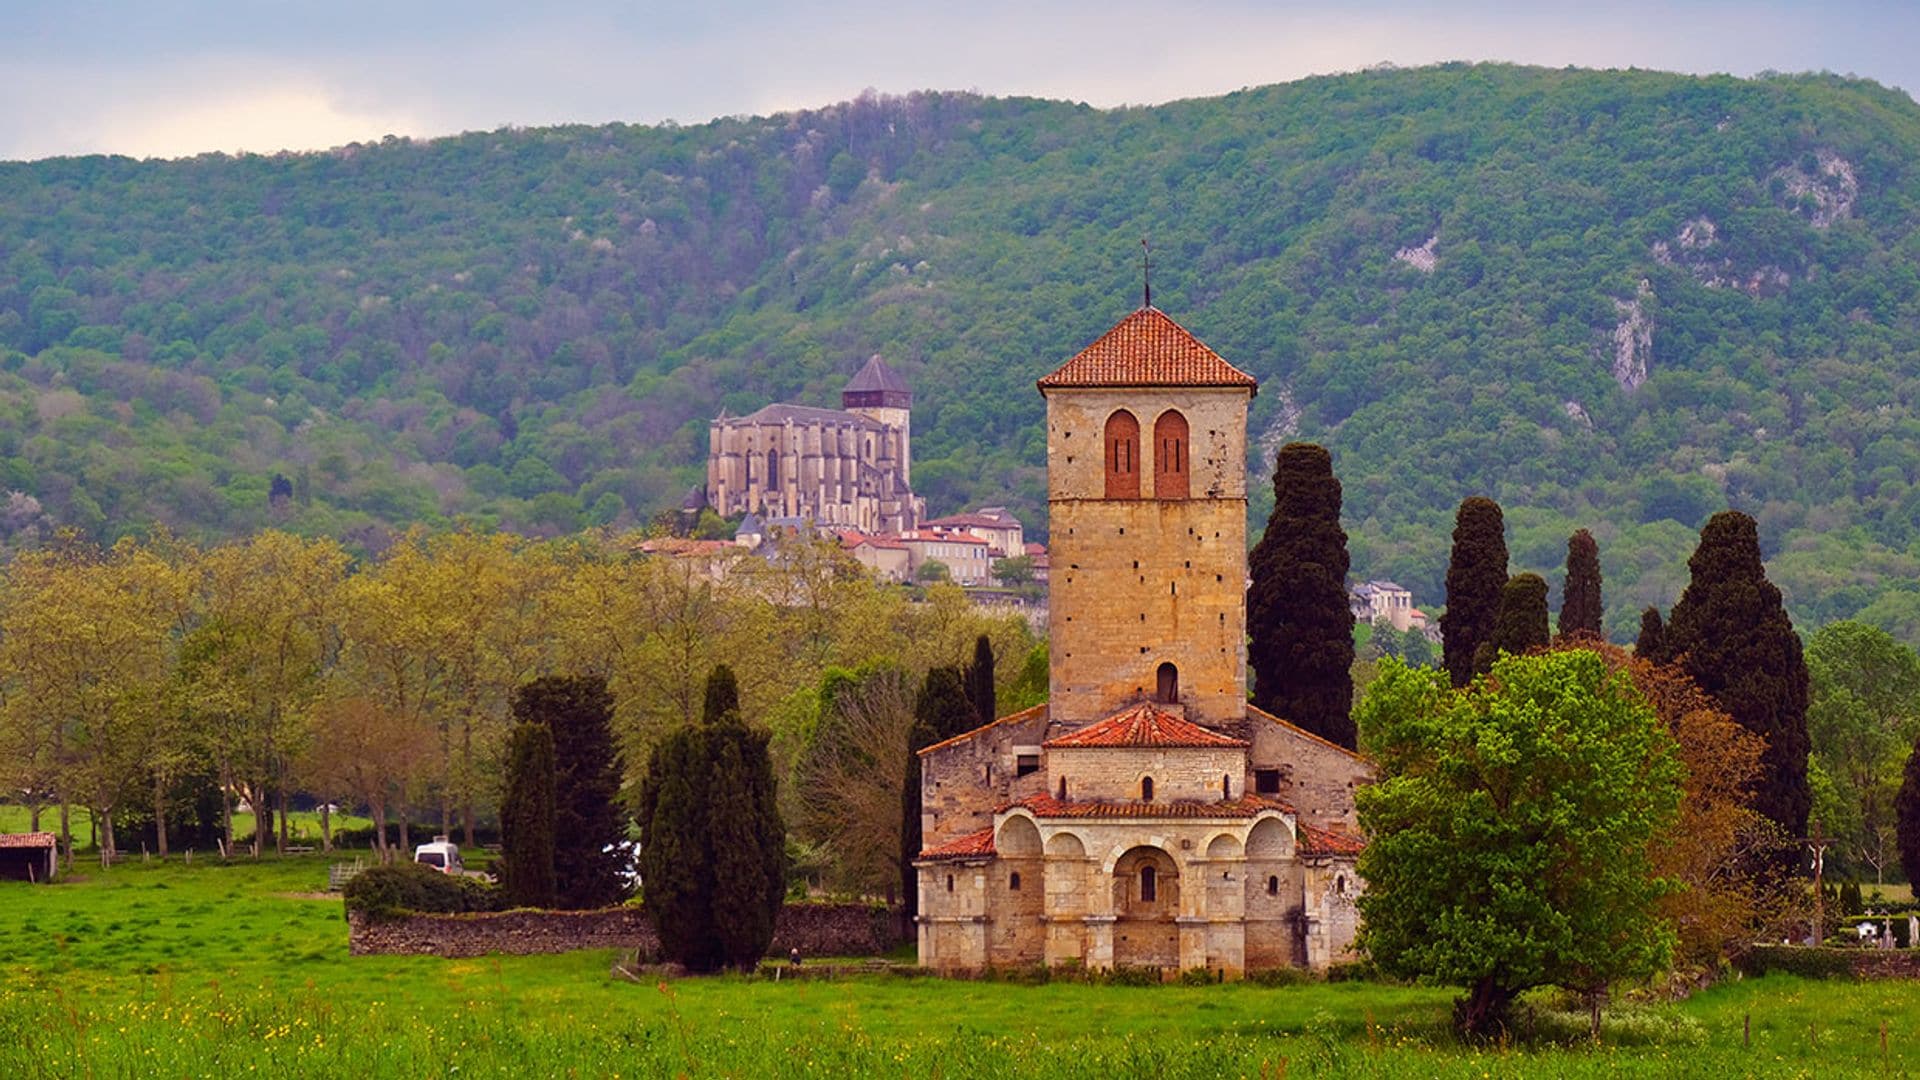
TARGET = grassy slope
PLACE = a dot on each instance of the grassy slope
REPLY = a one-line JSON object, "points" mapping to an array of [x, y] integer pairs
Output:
{"points": [[223, 970]]}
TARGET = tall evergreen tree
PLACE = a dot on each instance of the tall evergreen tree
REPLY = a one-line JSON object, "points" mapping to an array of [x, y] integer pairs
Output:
{"points": [[1732, 634], [746, 841], [587, 823], [912, 838], [942, 704], [675, 860], [1299, 622], [1906, 809], [1476, 574], [1581, 611], [1520, 623], [1651, 645], [526, 819], [722, 695], [980, 681]]}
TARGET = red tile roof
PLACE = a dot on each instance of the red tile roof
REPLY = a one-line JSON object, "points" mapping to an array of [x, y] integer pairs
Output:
{"points": [[26, 840], [1147, 349], [1317, 841], [971, 846], [973, 521], [1144, 725], [1046, 806]]}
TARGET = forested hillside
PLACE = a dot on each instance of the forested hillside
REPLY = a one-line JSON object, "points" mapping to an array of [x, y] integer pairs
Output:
{"points": [[1617, 300]]}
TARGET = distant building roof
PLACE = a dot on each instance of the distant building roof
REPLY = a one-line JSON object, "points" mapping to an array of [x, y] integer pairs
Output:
{"points": [[750, 526], [27, 840], [696, 498], [1036, 549], [976, 520], [877, 376], [1144, 724], [1147, 349], [932, 536], [781, 413], [1318, 841]]}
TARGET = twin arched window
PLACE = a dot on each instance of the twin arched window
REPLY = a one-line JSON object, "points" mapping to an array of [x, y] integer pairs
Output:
{"points": [[1169, 458]]}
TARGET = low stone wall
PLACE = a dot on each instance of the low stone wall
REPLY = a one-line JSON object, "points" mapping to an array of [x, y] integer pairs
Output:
{"points": [[1828, 963], [815, 929]]}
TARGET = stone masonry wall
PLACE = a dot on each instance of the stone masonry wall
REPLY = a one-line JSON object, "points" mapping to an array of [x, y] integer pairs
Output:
{"points": [[964, 780], [816, 929], [1140, 582], [1113, 774], [1316, 777]]}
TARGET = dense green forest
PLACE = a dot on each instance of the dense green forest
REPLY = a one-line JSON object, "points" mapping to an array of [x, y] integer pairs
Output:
{"points": [[1618, 300]]}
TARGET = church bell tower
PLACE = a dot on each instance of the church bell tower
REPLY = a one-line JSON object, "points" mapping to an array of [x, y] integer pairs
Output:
{"points": [[1147, 497]]}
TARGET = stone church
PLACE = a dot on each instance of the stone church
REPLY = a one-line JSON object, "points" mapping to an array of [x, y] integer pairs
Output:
{"points": [[849, 467], [1146, 815]]}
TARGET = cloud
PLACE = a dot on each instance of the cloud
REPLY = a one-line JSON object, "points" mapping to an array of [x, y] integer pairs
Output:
{"points": [[189, 80]]}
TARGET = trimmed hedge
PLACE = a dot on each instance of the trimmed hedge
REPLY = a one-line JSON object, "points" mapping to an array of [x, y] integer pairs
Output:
{"points": [[386, 892], [1808, 963]]}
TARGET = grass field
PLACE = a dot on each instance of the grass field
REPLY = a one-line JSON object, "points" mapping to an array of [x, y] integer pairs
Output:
{"points": [[241, 969]]}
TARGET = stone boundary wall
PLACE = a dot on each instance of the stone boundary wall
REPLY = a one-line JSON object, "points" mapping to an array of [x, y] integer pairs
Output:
{"points": [[1827, 962], [815, 929]]}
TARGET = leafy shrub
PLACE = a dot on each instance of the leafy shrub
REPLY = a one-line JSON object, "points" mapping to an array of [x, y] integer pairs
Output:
{"points": [[1797, 960], [1285, 976], [387, 892]]}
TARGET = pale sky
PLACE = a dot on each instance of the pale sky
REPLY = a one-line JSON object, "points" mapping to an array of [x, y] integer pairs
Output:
{"points": [[170, 78]]}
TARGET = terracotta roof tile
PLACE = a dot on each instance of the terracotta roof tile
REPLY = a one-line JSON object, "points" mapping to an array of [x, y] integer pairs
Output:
{"points": [[1046, 806], [971, 846], [1144, 725], [1318, 841], [1147, 349], [26, 840]]}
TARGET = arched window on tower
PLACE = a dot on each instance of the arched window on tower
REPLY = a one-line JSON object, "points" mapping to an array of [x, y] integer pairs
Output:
{"points": [[1170, 456], [1123, 456], [1167, 684]]}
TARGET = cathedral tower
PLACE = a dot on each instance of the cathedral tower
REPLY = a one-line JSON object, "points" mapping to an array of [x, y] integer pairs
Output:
{"points": [[1147, 493], [878, 392]]}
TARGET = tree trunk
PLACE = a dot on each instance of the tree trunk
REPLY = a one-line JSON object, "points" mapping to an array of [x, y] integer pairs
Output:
{"points": [[66, 830], [103, 837], [226, 809], [326, 826], [33, 818], [1596, 997], [160, 815], [280, 796], [406, 844], [466, 777], [1483, 1014], [379, 808]]}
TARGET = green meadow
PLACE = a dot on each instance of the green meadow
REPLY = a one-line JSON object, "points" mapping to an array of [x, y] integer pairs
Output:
{"points": [[241, 968]]}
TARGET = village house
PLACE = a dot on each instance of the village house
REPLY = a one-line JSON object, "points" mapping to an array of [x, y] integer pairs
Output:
{"points": [[1146, 815], [1385, 601], [966, 557], [1000, 529]]}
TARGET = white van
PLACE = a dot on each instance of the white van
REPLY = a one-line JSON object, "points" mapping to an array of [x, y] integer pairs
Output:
{"points": [[441, 855]]}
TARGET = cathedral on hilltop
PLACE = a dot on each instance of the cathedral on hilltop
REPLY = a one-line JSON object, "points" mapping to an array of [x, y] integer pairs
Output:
{"points": [[846, 467], [1145, 816]]}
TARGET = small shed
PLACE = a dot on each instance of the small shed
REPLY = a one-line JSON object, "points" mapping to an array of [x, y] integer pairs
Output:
{"points": [[28, 856]]}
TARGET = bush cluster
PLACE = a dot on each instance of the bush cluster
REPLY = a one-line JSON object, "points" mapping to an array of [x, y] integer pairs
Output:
{"points": [[387, 892], [1797, 960]]}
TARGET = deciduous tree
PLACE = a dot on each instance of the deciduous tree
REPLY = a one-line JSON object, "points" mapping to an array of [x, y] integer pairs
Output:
{"points": [[1862, 715], [1510, 830]]}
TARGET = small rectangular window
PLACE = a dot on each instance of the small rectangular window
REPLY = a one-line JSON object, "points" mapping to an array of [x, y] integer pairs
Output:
{"points": [[1266, 781], [1026, 763]]}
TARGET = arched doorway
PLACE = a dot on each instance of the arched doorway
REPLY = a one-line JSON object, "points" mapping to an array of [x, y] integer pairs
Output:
{"points": [[1146, 901]]}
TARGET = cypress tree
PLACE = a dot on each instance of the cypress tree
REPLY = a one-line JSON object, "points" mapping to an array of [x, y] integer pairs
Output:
{"points": [[942, 704], [746, 840], [1652, 642], [1581, 611], [1520, 623], [1906, 810], [675, 861], [722, 695], [1299, 622], [1732, 635], [587, 824], [911, 837], [980, 681], [1476, 574], [526, 819]]}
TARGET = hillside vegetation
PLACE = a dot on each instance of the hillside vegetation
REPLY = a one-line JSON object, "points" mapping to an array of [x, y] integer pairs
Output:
{"points": [[1612, 299]]}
